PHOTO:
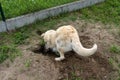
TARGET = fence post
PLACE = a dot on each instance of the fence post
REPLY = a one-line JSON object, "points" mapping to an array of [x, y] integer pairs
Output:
{"points": [[3, 17]]}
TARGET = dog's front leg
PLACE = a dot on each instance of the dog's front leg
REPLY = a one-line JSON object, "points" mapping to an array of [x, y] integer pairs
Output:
{"points": [[61, 55]]}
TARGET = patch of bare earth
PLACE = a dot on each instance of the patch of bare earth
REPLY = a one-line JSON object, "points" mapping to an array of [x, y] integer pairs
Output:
{"points": [[32, 66]]}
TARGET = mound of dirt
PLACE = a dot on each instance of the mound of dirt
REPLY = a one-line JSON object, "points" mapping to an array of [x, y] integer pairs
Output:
{"points": [[74, 66]]}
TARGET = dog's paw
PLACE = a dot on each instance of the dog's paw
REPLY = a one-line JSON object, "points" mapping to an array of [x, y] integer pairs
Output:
{"points": [[59, 59]]}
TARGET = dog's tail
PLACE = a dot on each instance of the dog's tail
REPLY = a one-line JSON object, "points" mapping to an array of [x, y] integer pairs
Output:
{"points": [[80, 50]]}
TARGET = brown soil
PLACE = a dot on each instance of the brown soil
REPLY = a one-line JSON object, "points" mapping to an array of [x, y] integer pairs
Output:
{"points": [[42, 66]]}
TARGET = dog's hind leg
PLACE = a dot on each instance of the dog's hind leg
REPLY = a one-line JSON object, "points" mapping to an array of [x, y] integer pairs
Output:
{"points": [[61, 52]]}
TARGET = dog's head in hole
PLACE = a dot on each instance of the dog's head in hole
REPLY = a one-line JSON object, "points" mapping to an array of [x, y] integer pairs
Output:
{"points": [[49, 39]]}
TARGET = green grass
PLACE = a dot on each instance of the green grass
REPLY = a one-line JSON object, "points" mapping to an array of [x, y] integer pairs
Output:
{"points": [[119, 65], [20, 7], [19, 37], [115, 49], [8, 51], [111, 60], [42, 42], [74, 77], [27, 63], [106, 12]]}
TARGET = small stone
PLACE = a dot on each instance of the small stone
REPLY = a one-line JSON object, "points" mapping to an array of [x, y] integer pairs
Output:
{"points": [[105, 76], [60, 77], [102, 69]]}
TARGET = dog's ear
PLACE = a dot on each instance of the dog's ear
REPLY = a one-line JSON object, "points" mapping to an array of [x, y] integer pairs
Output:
{"points": [[42, 35]]}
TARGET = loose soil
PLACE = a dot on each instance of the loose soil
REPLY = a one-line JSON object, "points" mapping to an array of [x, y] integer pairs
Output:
{"points": [[38, 64]]}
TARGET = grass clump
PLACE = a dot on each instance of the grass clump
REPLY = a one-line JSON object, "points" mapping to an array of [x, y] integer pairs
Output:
{"points": [[111, 60], [42, 42], [115, 49], [8, 52], [74, 77], [19, 37], [27, 63]]}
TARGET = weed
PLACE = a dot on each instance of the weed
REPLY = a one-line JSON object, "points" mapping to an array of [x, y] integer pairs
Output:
{"points": [[111, 60], [42, 42], [12, 56], [27, 63], [118, 78], [19, 37], [74, 77], [119, 65], [118, 33], [115, 49], [3, 57], [8, 52]]}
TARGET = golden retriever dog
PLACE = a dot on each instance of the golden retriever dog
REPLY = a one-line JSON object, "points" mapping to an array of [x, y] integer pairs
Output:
{"points": [[65, 39]]}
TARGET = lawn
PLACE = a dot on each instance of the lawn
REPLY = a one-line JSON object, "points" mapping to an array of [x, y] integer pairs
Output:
{"points": [[106, 12], [20, 7]]}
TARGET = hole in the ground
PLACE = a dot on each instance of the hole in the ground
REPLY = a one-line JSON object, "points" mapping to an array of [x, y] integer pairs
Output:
{"points": [[39, 32], [41, 49]]}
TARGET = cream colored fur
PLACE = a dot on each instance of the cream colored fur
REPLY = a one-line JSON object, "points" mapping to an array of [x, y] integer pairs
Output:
{"points": [[65, 39]]}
